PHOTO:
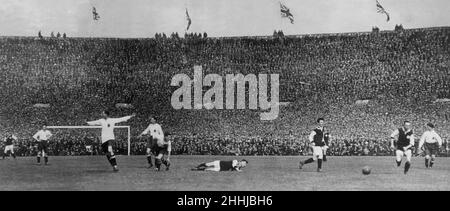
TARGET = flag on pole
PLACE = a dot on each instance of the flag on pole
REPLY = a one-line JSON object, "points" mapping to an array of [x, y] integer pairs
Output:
{"points": [[189, 21], [381, 10], [95, 14], [286, 13]]}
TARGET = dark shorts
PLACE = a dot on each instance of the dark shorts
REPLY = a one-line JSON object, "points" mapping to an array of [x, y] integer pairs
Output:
{"points": [[106, 145], [151, 143], [43, 146], [159, 150], [431, 149]]}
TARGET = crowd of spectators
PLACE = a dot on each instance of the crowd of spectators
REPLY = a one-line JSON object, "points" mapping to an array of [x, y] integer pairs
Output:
{"points": [[78, 77]]}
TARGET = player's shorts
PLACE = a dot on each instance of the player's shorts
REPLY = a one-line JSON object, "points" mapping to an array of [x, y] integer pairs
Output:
{"points": [[43, 146], [151, 142], [399, 148], [431, 148], [106, 145], [160, 150], [9, 148], [213, 166], [317, 152]]}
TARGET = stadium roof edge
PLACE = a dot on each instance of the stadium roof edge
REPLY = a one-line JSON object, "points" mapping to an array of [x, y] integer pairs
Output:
{"points": [[237, 37]]}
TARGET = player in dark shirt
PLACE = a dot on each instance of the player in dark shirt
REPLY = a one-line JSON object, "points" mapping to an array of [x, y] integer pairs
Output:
{"points": [[404, 144], [219, 165], [317, 141]]}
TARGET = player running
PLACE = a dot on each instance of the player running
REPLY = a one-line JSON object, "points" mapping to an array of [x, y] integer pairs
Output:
{"points": [[42, 137], [316, 138], [108, 137], [156, 136], [219, 165], [404, 144], [9, 145], [432, 142]]}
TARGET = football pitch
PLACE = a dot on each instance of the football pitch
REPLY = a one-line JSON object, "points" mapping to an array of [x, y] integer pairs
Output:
{"points": [[269, 173]]}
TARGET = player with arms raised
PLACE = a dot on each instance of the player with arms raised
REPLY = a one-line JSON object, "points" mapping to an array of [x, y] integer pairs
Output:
{"points": [[9, 145], [432, 142], [108, 137], [404, 144], [42, 137]]}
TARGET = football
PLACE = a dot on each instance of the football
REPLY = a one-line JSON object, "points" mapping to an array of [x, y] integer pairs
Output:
{"points": [[366, 170]]}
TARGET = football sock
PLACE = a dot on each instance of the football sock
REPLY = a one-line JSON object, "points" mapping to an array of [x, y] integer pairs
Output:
{"points": [[158, 163], [14, 155], [112, 160], [426, 162], [309, 161], [399, 163], [46, 160], [164, 161], [324, 158], [149, 160], [38, 159], [407, 166], [319, 163], [431, 162]]}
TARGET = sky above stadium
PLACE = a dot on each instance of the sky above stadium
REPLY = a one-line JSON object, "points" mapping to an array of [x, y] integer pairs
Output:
{"points": [[143, 18]]}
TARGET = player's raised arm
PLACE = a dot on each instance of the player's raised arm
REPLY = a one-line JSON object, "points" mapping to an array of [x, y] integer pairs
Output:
{"points": [[145, 132], [122, 119], [95, 122]]}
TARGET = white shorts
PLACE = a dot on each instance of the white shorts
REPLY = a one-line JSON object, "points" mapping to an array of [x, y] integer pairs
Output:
{"points": [[317, 152], [399, 154], [213, 166], [9, 148]]}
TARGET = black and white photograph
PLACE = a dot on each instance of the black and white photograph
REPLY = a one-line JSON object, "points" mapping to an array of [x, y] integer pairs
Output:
{"points": [[224, 95]]}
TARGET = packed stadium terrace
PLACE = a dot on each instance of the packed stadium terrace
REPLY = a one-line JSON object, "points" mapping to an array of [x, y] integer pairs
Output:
{"points": [[399, 73]]}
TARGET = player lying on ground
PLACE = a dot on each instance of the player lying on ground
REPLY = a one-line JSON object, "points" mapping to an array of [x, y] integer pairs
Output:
{"points": [[108, 137], [219, 165], [9, 145], [316, 138], [404, 144], [155, 133], [431, 142], [42, 137]]}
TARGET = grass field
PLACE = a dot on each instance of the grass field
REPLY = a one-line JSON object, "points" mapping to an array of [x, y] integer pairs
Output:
{"points": [[262, 173]]}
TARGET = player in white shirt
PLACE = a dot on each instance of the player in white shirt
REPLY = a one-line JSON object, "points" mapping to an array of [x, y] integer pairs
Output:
{"points": [[108, 137], [9, 145], [156, 144], [431, 142], [42, 137]]}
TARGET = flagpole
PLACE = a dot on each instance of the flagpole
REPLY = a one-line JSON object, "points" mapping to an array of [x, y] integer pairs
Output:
{"points": [[280, 26]]}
